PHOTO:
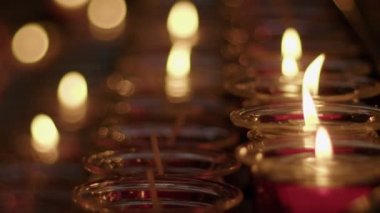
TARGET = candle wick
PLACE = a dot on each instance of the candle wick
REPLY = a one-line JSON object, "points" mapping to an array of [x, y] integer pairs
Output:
{"points": [[180, 121], [153, 190], [156, 154]]}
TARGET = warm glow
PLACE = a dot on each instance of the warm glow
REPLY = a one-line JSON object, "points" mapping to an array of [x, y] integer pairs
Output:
{"points": [[291, 44], [323, 147], [312, 75], [289, 67], [71, 4], [30, 43], [183, 20], [45, 138], [177, 89], [72, 90], [107, 14], [178, 64]]}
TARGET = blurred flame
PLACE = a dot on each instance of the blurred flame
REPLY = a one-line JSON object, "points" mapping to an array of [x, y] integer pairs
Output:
{"points": [[107, 14], [45, 138], [72, 96], [178, 64], [177, 81], [30, 43], [291, 50], [71, 4], [289, 67], [183, 20], [291, 44], [323, 147], [312, 75]]}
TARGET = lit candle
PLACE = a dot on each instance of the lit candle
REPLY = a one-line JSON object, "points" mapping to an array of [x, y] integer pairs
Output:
{"points": [[320, 176], [72, 97]]}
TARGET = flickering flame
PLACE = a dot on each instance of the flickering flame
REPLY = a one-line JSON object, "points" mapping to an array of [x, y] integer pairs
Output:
{"points": [[177, 81], [183, 20], [45, 138], [72, 96], [291, 51], [312, 75], [71, 4], [310, 86], [178, 64], [107, 14], [323, 148], [72, 90], [291, 44], [30, 43], [289, 67]]}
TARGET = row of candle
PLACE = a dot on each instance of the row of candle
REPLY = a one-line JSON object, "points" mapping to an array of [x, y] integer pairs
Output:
{"points": [[161, 155], [319, 155]]}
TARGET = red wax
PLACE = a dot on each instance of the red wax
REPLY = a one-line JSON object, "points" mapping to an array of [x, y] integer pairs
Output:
{"points": [[299, 199]]}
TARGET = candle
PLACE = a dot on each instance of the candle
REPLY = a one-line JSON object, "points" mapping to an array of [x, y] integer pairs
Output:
{"points": [[327, 180], [174, 194]]}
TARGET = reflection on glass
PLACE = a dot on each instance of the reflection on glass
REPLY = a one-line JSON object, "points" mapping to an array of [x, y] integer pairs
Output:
{"points": [[45, 138], [107, 17], [30, 43], [71, 4], [72, 97], [183, 21], [177, 82]]}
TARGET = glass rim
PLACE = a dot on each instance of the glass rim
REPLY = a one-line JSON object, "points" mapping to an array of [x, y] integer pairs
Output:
{"points": [[89, 195], [115, 162], [249, 117]]}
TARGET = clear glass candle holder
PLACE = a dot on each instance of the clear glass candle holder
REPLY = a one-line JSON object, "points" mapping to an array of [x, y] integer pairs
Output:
{"points": [[174, 195], [270, 121], [293, 179], [180, 162]]}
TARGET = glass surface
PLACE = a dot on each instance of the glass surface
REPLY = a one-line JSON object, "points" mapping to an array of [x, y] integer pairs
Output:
{"points": [[174, 194]]}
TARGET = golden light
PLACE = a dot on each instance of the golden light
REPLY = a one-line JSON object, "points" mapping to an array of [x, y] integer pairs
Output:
{"points": [[178, 64], [289, 67], [107, 14], [323, 148], [71, 4], [291, 44], [310, 86], [45, 138], [312, 75], [177, 89], [183, 20], [72, 96], [177, 81], [30, 43], [291, 50]]}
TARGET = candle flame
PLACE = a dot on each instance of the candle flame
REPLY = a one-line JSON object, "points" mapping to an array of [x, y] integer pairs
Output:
{"points": [[291, 44], [183, 20], [72, 90], [71, 4], [178, 64], [323, 146], [310, 86], [107, 14], [30, 43], [45, 138], [291, 50], [312, 75], [72, 96]]}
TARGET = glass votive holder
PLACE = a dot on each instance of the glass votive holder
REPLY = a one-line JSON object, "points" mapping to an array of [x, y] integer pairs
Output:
{"points": [[179, 162], [295, 180], [277, 120], [194, 136], [174, 195]]}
